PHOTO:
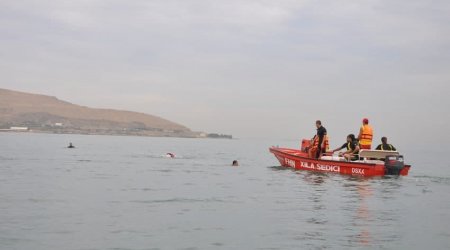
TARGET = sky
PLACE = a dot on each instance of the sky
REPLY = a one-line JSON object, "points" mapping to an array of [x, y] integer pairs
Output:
{"points": [[253, 69]]}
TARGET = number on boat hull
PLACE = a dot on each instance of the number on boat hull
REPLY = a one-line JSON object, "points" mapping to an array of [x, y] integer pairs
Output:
{"points": [[357, 171]]}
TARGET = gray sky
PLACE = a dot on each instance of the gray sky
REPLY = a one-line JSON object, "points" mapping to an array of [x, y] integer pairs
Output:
{"points": [[248, 68]]}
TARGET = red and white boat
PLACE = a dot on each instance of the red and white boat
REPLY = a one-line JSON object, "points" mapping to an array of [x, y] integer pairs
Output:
{"points": [[370, 163]]}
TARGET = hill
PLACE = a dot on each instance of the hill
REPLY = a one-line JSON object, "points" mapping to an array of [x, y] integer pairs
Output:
{"points": [[43, 113]]}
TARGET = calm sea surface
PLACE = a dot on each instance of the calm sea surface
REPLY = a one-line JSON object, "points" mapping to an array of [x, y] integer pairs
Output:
{"points": [[115, 192]]}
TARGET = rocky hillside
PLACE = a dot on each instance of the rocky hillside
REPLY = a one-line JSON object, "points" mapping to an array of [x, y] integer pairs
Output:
{"points": [[48, 114]]}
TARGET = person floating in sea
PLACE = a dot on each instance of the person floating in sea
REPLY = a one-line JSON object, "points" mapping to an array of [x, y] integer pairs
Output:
{"points": [[385, 146], [319, 142], [235, 163], [352, 153], [170, 155], [365, 135], [71, 145]]}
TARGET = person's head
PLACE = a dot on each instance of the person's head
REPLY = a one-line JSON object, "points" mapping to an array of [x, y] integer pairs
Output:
{"points": [[235, 163], [384, 140], [318, 123], [365, 121], [350, 137]]}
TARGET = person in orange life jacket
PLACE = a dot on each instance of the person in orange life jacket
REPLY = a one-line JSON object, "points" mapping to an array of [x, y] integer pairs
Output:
{"points": [[352, 153], [365, 135], [385, 146], [321, 136], [312, 148]]}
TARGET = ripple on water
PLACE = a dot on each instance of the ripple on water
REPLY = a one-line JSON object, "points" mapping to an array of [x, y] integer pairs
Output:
{"points": [[179, 200]]}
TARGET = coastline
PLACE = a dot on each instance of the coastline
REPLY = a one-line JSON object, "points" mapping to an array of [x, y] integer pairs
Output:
{"points": [[193, 135]]}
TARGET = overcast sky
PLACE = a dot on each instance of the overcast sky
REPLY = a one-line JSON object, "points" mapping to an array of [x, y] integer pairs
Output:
{"points": [[255, 68]]}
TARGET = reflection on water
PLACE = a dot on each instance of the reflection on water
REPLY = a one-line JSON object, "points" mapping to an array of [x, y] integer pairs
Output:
{"points": [[314, 178], [363, 215], [348, 208]]}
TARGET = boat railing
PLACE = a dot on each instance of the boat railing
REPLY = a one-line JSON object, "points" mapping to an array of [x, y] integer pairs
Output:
{"points": [[376, 154], [365, 156], [332, 158]]}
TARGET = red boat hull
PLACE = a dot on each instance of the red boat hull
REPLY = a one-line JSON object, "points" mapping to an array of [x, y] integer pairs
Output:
{"points": [[297, 159]]}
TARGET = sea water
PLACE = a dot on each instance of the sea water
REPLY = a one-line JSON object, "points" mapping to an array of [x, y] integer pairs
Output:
{"points": [[115, 192]]}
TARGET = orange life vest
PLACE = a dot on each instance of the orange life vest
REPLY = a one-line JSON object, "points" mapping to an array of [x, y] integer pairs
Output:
{"points": [[326, 142], [366, 135], [313, 147]]}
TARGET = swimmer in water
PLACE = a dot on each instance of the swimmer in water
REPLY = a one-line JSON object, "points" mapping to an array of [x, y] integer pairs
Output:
{"points": [[235, 163], [70, 146]]}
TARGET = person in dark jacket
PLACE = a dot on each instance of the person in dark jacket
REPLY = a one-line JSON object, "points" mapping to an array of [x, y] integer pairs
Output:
{"points": [[385, 146], [321, 136]]}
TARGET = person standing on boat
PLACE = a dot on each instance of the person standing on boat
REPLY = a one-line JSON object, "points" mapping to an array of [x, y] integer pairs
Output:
{"points": [[352, 146], [385, 146], [365, 135], [321, 139]]}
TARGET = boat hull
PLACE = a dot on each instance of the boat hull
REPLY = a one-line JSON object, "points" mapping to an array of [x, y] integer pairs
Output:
{"points": [[297, 159]]}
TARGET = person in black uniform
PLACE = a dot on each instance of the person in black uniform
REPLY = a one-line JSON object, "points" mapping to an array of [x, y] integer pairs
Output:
{"points": [[385, 146], [321, 133], [352, 146]]}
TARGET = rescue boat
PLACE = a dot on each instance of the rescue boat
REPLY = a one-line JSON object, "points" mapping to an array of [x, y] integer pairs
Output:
{"points": [[370, 162]]}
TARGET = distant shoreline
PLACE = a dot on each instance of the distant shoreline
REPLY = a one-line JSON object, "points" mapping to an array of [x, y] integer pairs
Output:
{"points": [[110, 134], [27, 112]]}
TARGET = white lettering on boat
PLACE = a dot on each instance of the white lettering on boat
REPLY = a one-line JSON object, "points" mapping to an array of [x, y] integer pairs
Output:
{"points": [[307, 165], [289, 162], [330, 168], [320, 167], [357, 171]]}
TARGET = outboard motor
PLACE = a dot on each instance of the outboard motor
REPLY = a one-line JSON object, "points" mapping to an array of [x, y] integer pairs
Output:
{"points": [[394, 164]]}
